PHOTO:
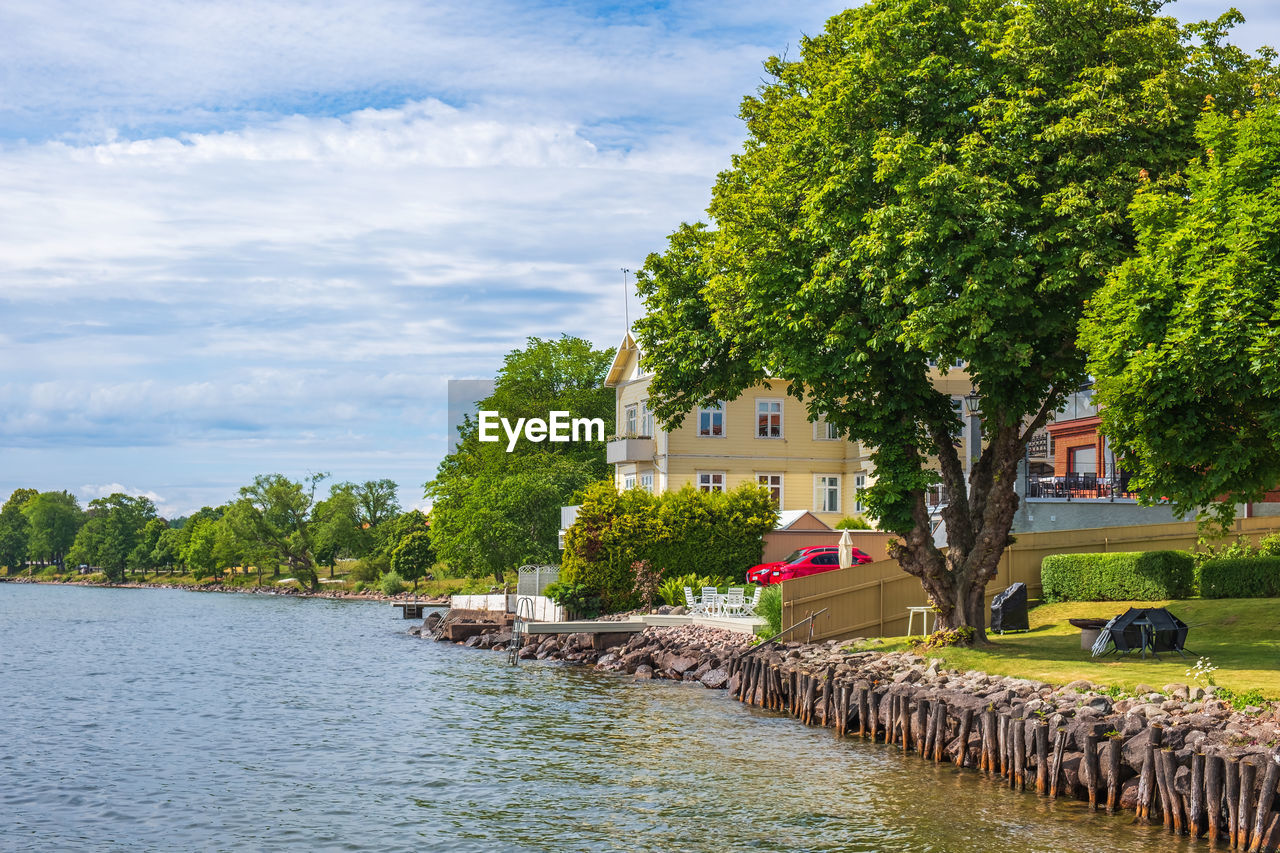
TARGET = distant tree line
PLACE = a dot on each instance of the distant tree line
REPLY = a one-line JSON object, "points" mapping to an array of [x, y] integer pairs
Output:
{"points": [[275, 525]]}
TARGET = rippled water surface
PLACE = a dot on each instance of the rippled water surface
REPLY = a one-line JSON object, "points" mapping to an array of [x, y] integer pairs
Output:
{"points": [[167, 720]]}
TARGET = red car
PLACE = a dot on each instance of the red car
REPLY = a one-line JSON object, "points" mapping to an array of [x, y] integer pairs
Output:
{"points": [[760, 574], [815, 564], [810, 561]]}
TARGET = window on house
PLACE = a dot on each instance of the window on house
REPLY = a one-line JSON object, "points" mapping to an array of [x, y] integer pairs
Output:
{"points": [[711, 481], [1083, 460], [646, 418], [768, 419], [859, 483], [711, 420], [826, 489], [628, 481], [773, 482], [630, 419], [646, 482], [957, 406], [823, 431]]}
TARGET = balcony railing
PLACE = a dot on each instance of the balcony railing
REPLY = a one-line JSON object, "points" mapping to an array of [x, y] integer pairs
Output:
{"points": [[1081, 486], [629, 449]]}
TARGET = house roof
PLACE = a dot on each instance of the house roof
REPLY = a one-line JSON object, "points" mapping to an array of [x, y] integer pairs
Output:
{"points": [[628, 351], [800, 519]]}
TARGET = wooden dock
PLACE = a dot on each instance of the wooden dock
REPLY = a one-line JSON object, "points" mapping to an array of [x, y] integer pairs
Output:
{"points": [[413, 609]]}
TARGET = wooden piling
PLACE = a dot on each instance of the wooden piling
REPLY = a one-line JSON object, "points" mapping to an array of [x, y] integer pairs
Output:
{"points": [[1169, 772], [1113, 772], [966, 723], [891, 718], [824, 701], [1213, 779], [1042, 758], [873, 700], [1245, 811], [922, 723], [904, 721], [864, 712], [1263, 811], [1002, 744], [1090, 766], [1019, 755], [930, 730], [989, 741], [940, 733], [1233, 801], [1195, 800], [1055, 769]]}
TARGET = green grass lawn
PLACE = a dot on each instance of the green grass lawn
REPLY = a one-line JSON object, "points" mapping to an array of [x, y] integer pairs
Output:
{"points": [[1239, 636]]}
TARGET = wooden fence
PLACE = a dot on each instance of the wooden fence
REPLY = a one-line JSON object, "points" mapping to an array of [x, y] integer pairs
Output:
{"points": [[872, 600]]}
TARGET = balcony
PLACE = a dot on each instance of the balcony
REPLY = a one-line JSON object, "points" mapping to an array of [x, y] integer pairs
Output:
{"points": [[629, 449], [1082, 487]]}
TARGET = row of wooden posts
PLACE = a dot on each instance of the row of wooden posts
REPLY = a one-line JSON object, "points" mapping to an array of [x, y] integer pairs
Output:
{"points": [[1221, 803]]}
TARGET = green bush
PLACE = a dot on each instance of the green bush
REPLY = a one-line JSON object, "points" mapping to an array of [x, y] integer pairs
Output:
{"points": [[671, 590], [391, 584], [1128, 576], [718, 534], [1240, 577], [369, 569], [770, 608], [853, 522], [579, 600]]}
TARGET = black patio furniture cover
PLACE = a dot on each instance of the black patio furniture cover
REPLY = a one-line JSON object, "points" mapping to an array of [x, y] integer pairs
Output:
{"points": [[1009, 609], [1168, 633]]}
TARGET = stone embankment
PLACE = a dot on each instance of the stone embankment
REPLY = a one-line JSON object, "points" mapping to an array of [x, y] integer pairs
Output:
{"points": [[1177, 756]]}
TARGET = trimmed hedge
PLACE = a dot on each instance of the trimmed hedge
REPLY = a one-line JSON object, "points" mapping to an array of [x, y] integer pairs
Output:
{"points": [[1240, 577], [1126, 576]]}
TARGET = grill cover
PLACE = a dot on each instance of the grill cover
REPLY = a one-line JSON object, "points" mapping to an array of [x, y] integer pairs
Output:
{"points": [[1009, 609], [1168, 632]]}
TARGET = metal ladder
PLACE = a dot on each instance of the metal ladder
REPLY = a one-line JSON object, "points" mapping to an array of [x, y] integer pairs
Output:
{"points": [[517, 629]]}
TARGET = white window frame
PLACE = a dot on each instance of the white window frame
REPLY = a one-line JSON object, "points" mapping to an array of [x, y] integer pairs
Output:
{"points": [[823, 431], [646, 419], [711, 411], [859, 483], [782, 408], [823, 490], [646, 482], [630, 419], [781, 486], [957, 406], [706, 481], [628, 482]]}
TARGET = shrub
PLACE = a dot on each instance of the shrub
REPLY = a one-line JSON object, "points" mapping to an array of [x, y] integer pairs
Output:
{"points": [[358, 588], [770, 609], [391, 584], [1130, 576], [854, 522], [671, 590], [368, 570], [717, 533], [576, 598], [1240, 577]]}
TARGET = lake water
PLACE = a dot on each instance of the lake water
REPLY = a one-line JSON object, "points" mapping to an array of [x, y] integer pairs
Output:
{"points": [[168, 720]]}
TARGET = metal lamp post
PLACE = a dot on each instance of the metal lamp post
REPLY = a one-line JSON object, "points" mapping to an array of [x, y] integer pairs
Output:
{"points": [[973, 443]]}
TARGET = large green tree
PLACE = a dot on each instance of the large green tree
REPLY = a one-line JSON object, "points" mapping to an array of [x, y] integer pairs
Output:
{"points": [[15, 530], [274, 517], [1185, 337], [931, 180], [55, 517], [413, 558], [493, 510], [113, 531]]}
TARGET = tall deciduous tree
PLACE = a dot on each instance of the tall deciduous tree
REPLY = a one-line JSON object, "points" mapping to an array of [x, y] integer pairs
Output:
{"points": [[493, 510], [54, 518], [413, 557], [275, 516], [15, 530], [931, 181], [1185, 337], [113, 531]]}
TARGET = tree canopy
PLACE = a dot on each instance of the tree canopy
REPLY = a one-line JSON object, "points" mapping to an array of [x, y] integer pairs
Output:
{"points": [[493, 510], [1185, 337], [931, 182]]}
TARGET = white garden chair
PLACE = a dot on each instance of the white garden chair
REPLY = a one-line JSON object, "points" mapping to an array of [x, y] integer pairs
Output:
{"points": [[749, 607], [695, 607], [711, 600], [734, 601]]}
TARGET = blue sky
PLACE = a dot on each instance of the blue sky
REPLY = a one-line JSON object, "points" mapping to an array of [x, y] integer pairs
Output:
{"points": [[242, 238]]}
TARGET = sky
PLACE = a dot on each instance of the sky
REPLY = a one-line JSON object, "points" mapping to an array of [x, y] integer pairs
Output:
{"points": [[241, 238]]}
